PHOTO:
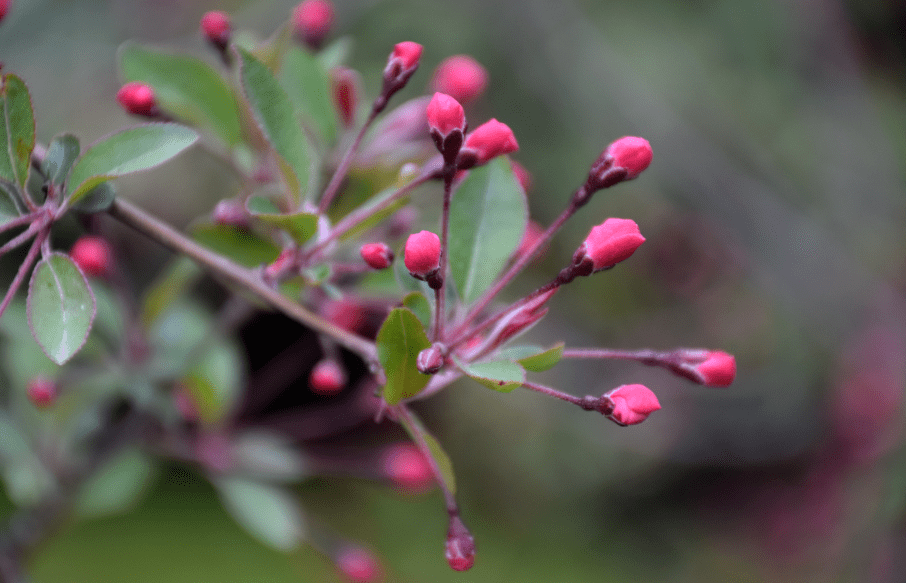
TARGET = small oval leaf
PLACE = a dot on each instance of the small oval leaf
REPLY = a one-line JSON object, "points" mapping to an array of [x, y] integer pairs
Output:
{"points": [[300, 226], [533, 358], [17, 130], [61, 154], [61, 307], [308, 86], [500, 375], [419, 305], [399, 341], [267, 512]]}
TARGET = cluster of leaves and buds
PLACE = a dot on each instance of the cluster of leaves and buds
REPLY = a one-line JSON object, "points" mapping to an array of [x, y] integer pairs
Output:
{"points": [[284, 113]]}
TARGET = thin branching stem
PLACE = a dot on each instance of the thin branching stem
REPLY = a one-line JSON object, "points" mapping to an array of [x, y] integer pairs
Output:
{"points": [[24, 268], [340, 173]]}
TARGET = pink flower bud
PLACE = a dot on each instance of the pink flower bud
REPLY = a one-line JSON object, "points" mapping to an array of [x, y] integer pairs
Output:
{"points": [[327, 378], [312, 20], [217, 28], [377, 255], [431, 359], [422, 254], [138, 99], [400, 67], [628, 404], [346, 86], [445, 115], [711, 368], [521, 318], [42, 392], [347, 314], [4, 8], [461, 77], [487, 141], [230, 212], [358, 565], [622, 160], [92, 255], [460, 546], [406, 55], [407, 467], [609, 243]]}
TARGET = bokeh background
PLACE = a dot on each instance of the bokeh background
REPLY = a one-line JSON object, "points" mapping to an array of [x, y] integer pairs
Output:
{"points": [[774, 213]]}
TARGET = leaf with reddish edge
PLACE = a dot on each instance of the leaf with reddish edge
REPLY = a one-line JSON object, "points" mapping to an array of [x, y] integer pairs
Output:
{"points": [[416, 430], [533, 358], [500, 375], [399, 341], [17, 130], [61, 307], [300, 226]]}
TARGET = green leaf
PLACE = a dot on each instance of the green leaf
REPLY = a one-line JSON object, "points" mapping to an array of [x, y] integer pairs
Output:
{"points": [[187, 88], [178, 277], [533, 358], [308, 86], [127, 151], [97, 199], [399, 341], [267, 512], [276, 117], [415, 428], [117, 487], [17, 130], [61, 307], [300, 226], [500, 375], [10, 207], [61, 154], [488, 217], [268, 456], [215, 381], [240, 245], [335, 53], [419, 305]]}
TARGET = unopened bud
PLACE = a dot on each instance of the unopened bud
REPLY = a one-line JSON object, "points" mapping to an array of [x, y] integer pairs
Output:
{"points": [[92, 255], [461, 77], [217, 28], [138, 99], [460, 546], [312, 20], [609, 243], [42, 391], [622, 160], [358, 565], [377, 255], [401, 65], [628, 404], [327, 378], [711, 368], [346, 86], [4, 8], [230, 212], [349, 315], [431, 360], [487, 141], [422, 254], [521, 318], [447, 122], [407, 467]]}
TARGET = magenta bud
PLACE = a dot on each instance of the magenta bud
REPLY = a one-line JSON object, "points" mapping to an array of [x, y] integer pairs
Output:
{"points": [[445, 115], [400, 67], [377, 255], [4, 8], [521, 318], [422, 254], [712, 368], [312, 20], [358, 565], [487, 141], [346, 86], [327, 378], [230, 212], [405, 55], [460, 77], [622, 160], [628, 404], [93, 255], [407, 467], [431, 360], [460, 546], [217, 28], [609, 243], [42, 391], [138, 99]]}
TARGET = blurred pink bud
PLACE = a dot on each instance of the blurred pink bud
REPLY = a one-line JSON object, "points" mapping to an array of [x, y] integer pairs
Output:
{"points": [[713, 368], [358, 565], [230, 212], [628, 404], [431, 359], [377, 255], [312, 20], [185, 402], [42, 391], [406, 55], [522, 175], [4, 8], [445, 115], [460, 546], [214, 451], [422, 254], [609, 243], [327, 378], [407, 467], [622, 160], [217, 28], [346, 87], [460, 77], [93, 255], [138, 99], [487, 141], [522, 318], [347, 314]]}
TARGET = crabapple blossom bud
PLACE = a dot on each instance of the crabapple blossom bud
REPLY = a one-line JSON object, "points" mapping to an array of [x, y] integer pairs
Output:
{"points": [[628, 404], [377, 255], [431, 359], [712, 368], [312, 20], [346, 86], [92, 255], [461, 77], [349, 315], [407, 467], [217, 28], [138, 99], [358, 565], [622, 160], [327, 378], [460, 546], [230, 212], [422, 254], [521, 318], [42, 391], [400, 67], [609, 243], [487, 141], [447, 122], [4, 8]]}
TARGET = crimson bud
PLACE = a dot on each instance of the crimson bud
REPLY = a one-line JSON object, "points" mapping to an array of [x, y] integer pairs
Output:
{"points": [[138, 99], [422, 254], [42, 391], [377, 255], [312, 20], [487, 141], [460, 546], [346, 86], [407, 467], [92, 255], [461, 77], [712, 368], [327, 378], [358, 565], [609, 243], [447, 122], [628, 404], [622, 160], [431, 359], [400, 67], [4, 8], [217, 28]]}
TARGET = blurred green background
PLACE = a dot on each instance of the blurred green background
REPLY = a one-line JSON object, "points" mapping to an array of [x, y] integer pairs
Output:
{"points": [[774, 213]]}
